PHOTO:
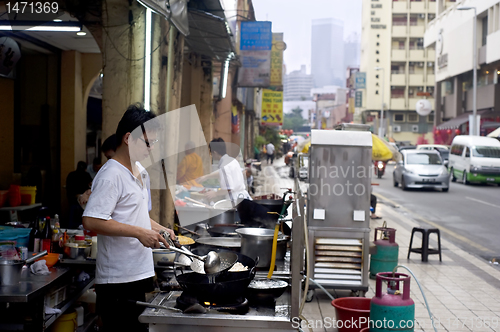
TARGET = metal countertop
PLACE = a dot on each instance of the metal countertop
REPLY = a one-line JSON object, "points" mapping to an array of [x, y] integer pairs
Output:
{"points": [[31, 285]]}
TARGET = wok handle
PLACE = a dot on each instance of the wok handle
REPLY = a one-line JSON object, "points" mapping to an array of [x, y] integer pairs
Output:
{"points": [[34, 258]]}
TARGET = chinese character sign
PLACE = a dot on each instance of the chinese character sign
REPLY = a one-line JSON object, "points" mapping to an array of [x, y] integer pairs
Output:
{"points": [[277, 60], [255, 54], [272, 108]]}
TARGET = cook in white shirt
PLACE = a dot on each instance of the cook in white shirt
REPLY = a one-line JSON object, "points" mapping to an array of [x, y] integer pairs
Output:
{"points": [[118, 211]]}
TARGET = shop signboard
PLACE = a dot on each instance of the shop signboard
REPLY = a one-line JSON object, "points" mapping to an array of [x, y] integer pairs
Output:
{"points": [[358, 99], [360, 80], [272, 108], [277, 59], [255, 54]]}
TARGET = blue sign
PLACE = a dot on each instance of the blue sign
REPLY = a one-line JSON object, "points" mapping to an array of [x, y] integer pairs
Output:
{"points": [[360, 80], [256, 36]]}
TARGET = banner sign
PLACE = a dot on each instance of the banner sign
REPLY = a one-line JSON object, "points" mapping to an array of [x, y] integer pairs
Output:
{"points": [[359, 99], [256, 36], [272, 108], [360, 80], [255, 54], [277, 60], [235, 120]]}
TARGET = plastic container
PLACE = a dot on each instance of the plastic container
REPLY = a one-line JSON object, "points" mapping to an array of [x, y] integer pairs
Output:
{"points": [[50, 259], [4, 196], [29, 191], [14, 195], [22, 235], [350, 309], [65, 323]]}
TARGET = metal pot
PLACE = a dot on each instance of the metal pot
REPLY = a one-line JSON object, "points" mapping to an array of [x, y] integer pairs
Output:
{"points": [[224, 230], [80, 252], [257, 242], [222, 217], [10, 270]]}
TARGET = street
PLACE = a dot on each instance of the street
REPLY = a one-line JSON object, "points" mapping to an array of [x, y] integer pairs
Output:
{"points": [[466, 215]]}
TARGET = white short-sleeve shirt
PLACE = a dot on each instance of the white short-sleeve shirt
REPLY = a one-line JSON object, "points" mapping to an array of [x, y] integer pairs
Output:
{"points": [[231, 178], [117, 194]]}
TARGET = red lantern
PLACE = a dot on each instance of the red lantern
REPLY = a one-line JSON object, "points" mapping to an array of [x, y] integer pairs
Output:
{"points": [[448, 131], [436, 132], [457, 131]]}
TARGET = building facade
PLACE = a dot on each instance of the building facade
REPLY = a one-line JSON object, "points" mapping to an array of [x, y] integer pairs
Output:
{"points": [[352, 49], [298, 85], [327, 52], [451, 34], [398, 69]]}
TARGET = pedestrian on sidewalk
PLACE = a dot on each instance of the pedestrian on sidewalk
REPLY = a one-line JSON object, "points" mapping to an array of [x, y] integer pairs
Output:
{"points": [[373, 205], [118, 211], [270, 152]]}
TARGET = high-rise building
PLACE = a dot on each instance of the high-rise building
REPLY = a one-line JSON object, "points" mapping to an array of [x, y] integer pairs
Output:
{"points": [[298, 85], [352, 51], [398, 68], [327, 52]]}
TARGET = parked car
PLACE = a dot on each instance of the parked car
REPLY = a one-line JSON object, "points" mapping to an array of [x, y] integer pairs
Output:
{"points": [[303, 166], [407, 147], [421, 169], [432, 146], [475, 159]]}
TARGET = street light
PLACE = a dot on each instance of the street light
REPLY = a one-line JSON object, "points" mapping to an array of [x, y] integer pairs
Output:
{"points": [[381, 127], [472, 123]]}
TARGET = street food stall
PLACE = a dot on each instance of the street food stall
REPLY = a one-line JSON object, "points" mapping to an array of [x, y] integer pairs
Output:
{"points": [[227, 302]]}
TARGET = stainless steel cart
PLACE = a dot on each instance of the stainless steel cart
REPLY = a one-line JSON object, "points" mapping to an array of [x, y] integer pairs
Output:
{"points": [[338, 209]]}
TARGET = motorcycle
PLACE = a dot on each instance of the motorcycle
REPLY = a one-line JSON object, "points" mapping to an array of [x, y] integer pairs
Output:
{"points": [[379, 168]]}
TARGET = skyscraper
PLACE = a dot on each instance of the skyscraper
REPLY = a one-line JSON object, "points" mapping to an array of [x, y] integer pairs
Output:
{"points": [[327, 52], [352, 51], [298, 85]]}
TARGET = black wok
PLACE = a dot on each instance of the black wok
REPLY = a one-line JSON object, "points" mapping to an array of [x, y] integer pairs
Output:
{"points": [[217, 292], [273, 205]]}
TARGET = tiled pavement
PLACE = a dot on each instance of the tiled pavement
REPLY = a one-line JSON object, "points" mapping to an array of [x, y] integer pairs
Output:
{"points": [[463, 291]]}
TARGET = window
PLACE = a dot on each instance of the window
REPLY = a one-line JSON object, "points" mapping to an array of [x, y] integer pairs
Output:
{"points": [[431, 16], [430, 118], [486, 152], [467, 153], [399, 117], [400, 20], [423, 159], [457, 150], [485, 30], [412, 117], [397, 92]]}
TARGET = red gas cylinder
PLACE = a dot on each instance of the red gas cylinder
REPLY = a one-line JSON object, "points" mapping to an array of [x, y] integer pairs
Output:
{"points": [[392, 310]]}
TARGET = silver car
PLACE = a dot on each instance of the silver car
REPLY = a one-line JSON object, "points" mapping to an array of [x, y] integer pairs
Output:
{"points": [[421, 169]]}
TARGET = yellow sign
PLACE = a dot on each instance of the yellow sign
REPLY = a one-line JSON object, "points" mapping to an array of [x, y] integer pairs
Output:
{"points": [[351, 105], [277, 60], [272, 108]]}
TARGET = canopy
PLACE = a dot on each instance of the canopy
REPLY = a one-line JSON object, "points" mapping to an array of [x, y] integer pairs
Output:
{"points": [[382, 150], [495, 133]]}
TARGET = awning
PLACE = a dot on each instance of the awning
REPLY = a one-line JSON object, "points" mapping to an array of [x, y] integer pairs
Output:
{"points": [[209, 35], [459, 120]]}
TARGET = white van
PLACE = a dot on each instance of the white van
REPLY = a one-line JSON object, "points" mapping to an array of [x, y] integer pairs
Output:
{"points": [[475, 159]]}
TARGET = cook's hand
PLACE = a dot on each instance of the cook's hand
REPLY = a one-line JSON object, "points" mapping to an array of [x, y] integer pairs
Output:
{"points": [[211, 194], [169, 231], [151, 239], [84, 198]]}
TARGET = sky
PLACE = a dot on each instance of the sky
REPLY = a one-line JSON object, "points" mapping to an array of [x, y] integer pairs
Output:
{"points": [[294, 17]]}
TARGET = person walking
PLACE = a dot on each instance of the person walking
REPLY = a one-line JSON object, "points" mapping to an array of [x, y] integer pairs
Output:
{"points": [[118, 211], [270, 152]]}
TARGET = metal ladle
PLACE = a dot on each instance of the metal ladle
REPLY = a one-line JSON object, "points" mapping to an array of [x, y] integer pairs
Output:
{"points": [[211, 261]]}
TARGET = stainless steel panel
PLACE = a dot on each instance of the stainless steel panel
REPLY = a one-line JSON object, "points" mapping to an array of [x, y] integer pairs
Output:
{"points": [[339, 184]]}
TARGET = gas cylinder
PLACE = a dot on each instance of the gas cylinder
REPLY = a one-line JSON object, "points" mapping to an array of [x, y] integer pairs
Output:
{"points": [[385, 257], [392, 310]]}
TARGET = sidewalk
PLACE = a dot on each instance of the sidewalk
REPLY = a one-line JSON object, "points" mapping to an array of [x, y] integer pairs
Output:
{"points": [[463, 291]]}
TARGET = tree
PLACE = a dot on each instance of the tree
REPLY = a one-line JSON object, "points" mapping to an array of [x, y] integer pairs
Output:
{"points": [[294, 120]]}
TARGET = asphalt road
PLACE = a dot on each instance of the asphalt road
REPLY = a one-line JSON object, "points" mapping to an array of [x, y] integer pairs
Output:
{"points": [[469, 214]]}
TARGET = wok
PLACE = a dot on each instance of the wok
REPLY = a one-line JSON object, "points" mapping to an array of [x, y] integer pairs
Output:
{"points": [[224, 230], [219, 291], [222, 217], [273, 205], [245, 260], [265, 290], [230, 243]]}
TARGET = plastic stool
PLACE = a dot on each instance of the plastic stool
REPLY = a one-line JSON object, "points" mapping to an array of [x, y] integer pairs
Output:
{"points": [[425, 251]]}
